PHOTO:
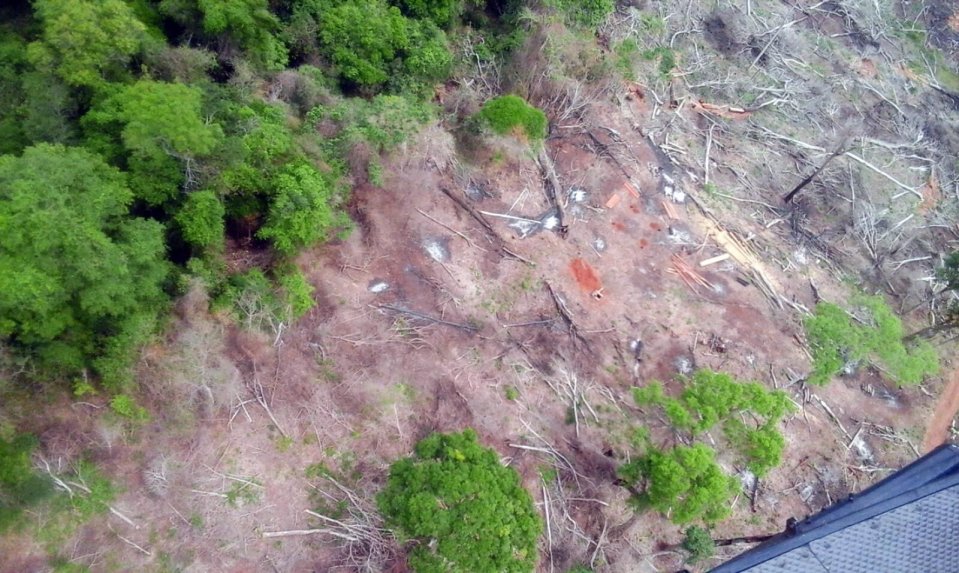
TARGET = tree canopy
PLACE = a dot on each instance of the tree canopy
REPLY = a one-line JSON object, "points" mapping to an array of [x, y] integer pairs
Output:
{"points": [[74, 267], [836, 339], [712, 398], [162, 133], [684, 482], [86, 41], [465, 510]]}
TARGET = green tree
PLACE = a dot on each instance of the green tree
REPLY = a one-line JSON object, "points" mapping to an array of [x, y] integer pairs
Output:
{"points": [[80, 280], [245, 24], [85, 40], [443, 13], [684, 482], [303, 209], [713, 398], [466, 512], [162, 131], [836, 338], [699, 544], [251, 24], [200, 220], [363, 41]]}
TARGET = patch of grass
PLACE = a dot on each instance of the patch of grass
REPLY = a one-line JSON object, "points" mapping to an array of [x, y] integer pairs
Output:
{"points": [[328, 370], [244, 493], [512, 393], [91, 497], [284, 443]]}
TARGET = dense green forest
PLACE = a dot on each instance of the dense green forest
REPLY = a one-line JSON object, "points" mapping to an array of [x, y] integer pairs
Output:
{"points": [[139, 136]]}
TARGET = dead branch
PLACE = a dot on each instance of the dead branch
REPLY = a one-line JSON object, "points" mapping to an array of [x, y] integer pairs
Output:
{"points": [[465, 327], [840, 149], [553, 189], [566, 315], [452, 230], [493, 236]]}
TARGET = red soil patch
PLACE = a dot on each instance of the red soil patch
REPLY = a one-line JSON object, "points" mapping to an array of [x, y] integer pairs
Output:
{"points": [[938, 430], [585, 275]]}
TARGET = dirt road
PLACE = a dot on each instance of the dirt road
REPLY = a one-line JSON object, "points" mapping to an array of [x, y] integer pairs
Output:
{"points": [[938, 429]]}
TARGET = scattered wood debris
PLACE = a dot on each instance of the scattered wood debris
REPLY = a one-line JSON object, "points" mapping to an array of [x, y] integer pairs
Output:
{"points": [[681, 267], [670, 210]]}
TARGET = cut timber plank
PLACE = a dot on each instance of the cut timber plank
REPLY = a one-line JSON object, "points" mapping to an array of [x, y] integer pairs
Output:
{"points": [[714, 260]]}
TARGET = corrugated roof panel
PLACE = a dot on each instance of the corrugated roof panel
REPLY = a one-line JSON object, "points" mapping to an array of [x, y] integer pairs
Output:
{"points": [[799, 560], [919, 537]]}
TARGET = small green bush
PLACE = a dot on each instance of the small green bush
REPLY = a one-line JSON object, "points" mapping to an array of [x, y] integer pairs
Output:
{"points": [[464, 511], [699, 544], [127, 407], [510, 114]]}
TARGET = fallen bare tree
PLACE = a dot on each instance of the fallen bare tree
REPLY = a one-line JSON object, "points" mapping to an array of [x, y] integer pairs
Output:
{"points": [[366, 545]]}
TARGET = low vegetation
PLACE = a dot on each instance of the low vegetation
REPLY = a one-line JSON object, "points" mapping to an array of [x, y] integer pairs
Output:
{"points": [[511, 115]]}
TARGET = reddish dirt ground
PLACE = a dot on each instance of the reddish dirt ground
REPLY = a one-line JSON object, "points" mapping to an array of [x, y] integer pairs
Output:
{"points": [[585, 275], [946, 409]]}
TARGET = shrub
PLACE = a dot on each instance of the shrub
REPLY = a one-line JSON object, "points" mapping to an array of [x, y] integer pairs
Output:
{"points": [[510, 114], [127, 407], [20, 486], [466, 512], [383, 122], [835, 339], [297, 291], [699, 544], [586, 13]]}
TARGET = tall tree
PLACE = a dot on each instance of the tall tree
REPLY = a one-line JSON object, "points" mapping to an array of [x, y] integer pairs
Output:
{"points": [[84, 40], [80, 280], [162, 131]]}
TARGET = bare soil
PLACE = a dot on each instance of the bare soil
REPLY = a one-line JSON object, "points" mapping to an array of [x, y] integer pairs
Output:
{"points": [[945, 413]]}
